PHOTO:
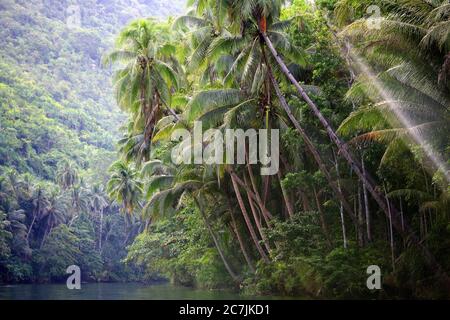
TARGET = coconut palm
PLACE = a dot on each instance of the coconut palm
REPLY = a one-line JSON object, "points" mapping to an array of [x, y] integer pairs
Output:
{"points": [[40, 203], [414, 31], [55, 213], [145, 78], [263, 13], [165, 192], [98, 201], [123, 187], [409, 54], [67, 174]]}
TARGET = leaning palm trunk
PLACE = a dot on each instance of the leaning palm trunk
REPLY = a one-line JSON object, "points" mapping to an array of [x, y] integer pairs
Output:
{"points": [[247, 219], [310, 146], [241, 242], [257, 220], [341, 207], [216, 243], [266, 214], [31, 225], [323, 222], [254, 197], [343, 149]]}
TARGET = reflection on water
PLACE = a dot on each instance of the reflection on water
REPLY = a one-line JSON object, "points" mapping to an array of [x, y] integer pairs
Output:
{"points": [[113, 291]]}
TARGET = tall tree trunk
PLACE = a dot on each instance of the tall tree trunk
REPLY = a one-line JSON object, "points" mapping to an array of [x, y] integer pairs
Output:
{"points": [[366, 204], [360, 218], [341, 207], [257, 220], [391, 231], [47, 231], [344, 151], [267, 215], [31, 225], [216, 243], [234, 225], [252, 195], [247, 219], [342, 147], [101, 230], [401, 214], [266, 189], [323, 222]]}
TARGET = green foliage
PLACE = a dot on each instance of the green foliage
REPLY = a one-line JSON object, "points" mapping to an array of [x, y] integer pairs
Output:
{"points": [[292, 226], [53, 266], [58, 124], [312, 230], [180, 250]]}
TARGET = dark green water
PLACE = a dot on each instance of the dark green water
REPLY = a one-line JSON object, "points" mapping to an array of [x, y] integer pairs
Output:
{"points": [[113, 291]]}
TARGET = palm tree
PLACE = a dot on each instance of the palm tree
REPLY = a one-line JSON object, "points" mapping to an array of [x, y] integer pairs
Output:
{"points": [[55, 213], [79, 201], [125, 189], [415, 31], [201, 27], [166, 189], [99, 201], [40, 206], [262, 13], [146, 79], [5, 235], [409, 55], [256, 75], [67, 174]]}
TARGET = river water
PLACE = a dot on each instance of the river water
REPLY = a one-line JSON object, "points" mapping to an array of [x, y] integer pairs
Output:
{"points": [[114, 291]]}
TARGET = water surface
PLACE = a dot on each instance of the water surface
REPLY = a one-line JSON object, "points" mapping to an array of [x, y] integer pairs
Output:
{"points": [[114, 291]]}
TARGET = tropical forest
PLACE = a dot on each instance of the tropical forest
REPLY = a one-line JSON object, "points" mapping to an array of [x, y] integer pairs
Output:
{"points": [[225, 148]]}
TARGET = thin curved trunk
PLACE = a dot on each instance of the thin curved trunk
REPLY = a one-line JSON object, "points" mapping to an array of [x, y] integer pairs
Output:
{"points": [[361, 233], [267, 215], [241, 242], [266, 189], [247, 219], [341, 208], [101, 230], [323, 222], [31, 225], [251, 193], [257, 220], [46, 233], [391, 232], [216, 242]]}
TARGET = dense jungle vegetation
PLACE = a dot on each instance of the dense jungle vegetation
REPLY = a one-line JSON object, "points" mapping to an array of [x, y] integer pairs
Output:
{"points": [[58, 129], [361, 103]]}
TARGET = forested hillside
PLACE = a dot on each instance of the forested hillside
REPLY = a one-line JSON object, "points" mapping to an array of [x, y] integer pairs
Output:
{"points": [[57, 110], [357, 91]]}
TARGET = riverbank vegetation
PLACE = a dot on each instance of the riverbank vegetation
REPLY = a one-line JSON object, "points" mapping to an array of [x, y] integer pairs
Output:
{"points": [[366, 194], [361, 102]]}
